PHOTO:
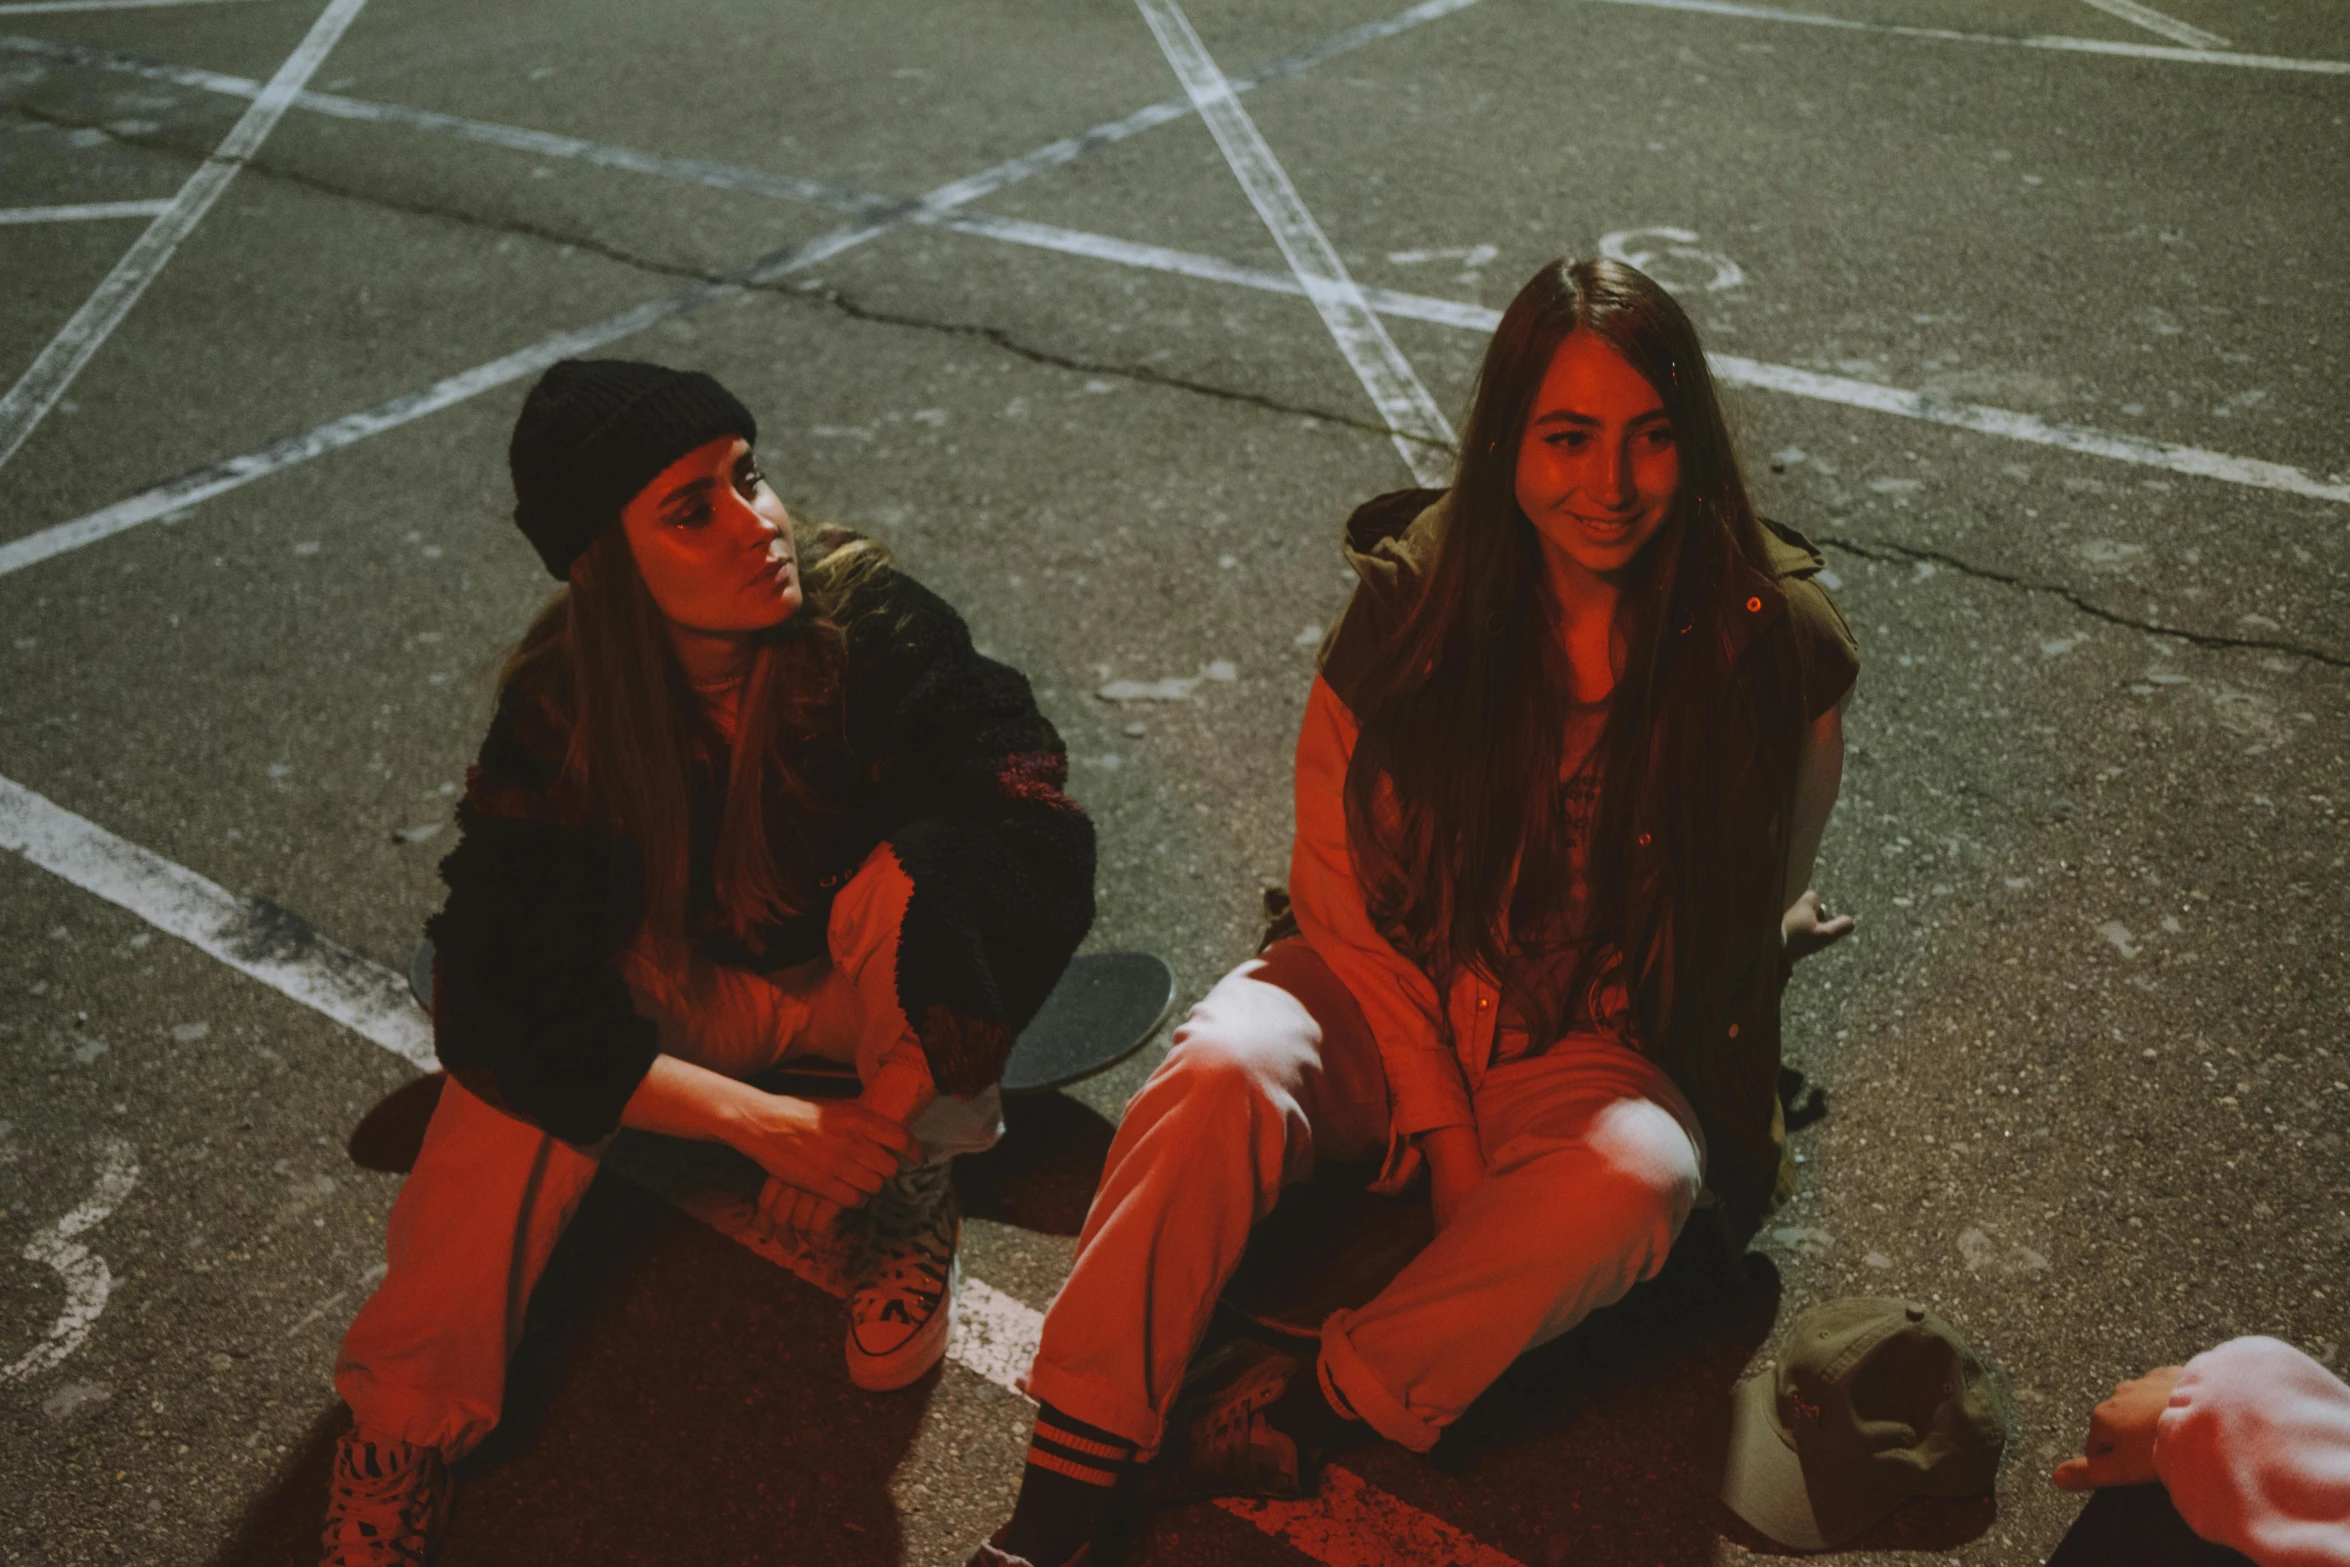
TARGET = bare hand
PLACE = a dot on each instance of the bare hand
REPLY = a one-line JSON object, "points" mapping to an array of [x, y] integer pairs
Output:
{"points": [[1807, 928], [2121, 1435], [1456, 1164], [834, 1149]]}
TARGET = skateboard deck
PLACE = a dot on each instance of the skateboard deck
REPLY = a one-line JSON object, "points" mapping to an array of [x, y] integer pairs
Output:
{"points": [[1106, 1007]]}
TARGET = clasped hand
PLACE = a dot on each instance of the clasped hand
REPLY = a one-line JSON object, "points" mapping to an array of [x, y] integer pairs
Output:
{"points": [[821, 1157]]}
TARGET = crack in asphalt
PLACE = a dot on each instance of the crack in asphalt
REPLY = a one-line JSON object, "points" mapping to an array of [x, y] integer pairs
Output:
{"points": [[810, 289], [1003, 340], [1886, 551]]}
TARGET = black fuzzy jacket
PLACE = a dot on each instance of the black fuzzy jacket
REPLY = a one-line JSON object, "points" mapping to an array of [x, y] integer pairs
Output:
{"points": [[947, 760]]}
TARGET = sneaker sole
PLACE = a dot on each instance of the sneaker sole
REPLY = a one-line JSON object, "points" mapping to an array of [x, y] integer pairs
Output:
{"points": [[911, 1361]]}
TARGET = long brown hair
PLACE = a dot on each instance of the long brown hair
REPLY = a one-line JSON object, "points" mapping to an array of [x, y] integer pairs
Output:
{"points": [[599, 658], [1453, 799]]}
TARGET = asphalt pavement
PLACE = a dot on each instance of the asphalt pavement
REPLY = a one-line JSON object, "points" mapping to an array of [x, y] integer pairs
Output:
{"points": [[2035, 316]]}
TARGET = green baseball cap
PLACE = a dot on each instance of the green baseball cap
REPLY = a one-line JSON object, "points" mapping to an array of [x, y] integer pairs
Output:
{"points": [[1873, 1402]]}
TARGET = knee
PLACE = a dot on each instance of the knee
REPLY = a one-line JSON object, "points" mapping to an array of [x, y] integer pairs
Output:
{"points": [[1648, 1155], [1231, 1072], [1213, 1062], [1634, 1165]]}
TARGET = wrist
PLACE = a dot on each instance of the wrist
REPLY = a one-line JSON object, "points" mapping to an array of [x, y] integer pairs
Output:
{"points": [[902, 1086], [736, 1113]]}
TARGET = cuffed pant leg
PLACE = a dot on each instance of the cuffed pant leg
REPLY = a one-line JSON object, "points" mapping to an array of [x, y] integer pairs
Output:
{"points": [[1231, 1116], [425, 1359], [1587, 1184]]}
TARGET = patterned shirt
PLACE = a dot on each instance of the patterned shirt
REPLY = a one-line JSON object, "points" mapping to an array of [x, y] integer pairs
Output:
{"points": [[1606, 1009]]}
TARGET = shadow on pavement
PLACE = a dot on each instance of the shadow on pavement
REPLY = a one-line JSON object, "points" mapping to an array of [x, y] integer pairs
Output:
{"points": [[1607, 1445], [2136, 1526], [1042, 1175], [388, 1136], [675, 1398]]}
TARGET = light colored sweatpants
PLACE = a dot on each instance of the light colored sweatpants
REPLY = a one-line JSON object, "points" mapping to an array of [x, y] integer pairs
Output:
{"points": [[470, 1233], [1593, 1161]]}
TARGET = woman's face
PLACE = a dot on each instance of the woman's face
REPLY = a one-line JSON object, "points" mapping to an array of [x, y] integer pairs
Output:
{"points": [[713, 542], [1598, 467]]}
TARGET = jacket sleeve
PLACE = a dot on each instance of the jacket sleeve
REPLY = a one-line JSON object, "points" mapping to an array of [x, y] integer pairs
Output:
{"points": [[2255, 1452], [529, 1008], [971, 780], [1398, 1000]]}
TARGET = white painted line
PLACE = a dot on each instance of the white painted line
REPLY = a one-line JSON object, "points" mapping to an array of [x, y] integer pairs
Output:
{"points": [[543, 144], [2191, 460], [85, 212], [252, 936], [1761, 13], [1122, 252], [2155, 22], [38, 390], [994, 1335], [41, 7], [1731, 368], [178, 495], [84, 1274], [1421, 434], [1353, 1523]]}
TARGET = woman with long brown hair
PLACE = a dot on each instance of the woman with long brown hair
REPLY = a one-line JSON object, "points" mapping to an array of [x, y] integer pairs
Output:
{"points": [[736, 806], [1561, 780]]}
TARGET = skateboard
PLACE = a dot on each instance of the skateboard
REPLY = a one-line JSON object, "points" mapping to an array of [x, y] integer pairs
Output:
{"points": [[1106, 1007]]}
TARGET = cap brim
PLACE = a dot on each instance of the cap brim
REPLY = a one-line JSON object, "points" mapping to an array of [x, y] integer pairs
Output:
{"points": [[1763, 1480]]}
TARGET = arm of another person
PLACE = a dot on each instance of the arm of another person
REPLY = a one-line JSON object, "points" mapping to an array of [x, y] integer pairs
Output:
{"points": [[1430, 1097], [2251, 1439]]}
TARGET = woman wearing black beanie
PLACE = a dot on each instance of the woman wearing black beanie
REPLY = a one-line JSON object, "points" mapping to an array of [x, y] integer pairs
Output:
{"points": [[737, 804]]}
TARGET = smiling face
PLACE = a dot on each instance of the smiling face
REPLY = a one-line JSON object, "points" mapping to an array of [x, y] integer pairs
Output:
{"points": [[1598, 466], [713, 542]]}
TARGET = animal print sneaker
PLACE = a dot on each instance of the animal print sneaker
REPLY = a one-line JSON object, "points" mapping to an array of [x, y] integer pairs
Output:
{"points": [[387, 1503], [902, 1303]]}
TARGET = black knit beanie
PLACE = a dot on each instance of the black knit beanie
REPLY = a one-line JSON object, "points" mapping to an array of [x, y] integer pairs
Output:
{"points": [[593, 432]]}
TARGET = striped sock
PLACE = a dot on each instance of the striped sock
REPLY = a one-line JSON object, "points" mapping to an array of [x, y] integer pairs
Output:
{"points": [[1068, 1489]]}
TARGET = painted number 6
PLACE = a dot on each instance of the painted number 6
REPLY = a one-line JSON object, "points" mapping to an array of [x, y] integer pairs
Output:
{"points": [[1646, 248]]}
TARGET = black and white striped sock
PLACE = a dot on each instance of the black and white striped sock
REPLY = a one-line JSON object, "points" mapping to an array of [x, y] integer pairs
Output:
{"points": [[1068, 1489]]}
